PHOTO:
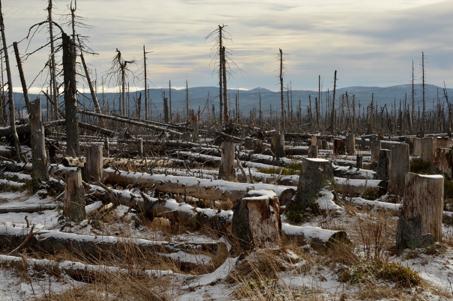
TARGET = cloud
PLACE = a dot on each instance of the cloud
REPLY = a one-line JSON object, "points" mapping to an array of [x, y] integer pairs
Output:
{"points": [[369, 42]]}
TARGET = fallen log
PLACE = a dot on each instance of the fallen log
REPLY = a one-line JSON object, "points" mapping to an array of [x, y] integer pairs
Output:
{"points": [[80, 271], [316, 236], [29, 208], [101, 247], [191, 186], [132, 122]]}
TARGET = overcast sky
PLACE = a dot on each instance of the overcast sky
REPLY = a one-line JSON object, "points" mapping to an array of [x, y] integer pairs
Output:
{"points": [[369, 42]]}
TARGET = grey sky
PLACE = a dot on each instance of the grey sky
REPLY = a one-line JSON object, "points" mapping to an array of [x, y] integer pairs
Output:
{"points": [[369, 42]]}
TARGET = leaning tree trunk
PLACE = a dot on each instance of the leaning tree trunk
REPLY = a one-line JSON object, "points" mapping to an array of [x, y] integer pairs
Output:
{"points": [[70, 90], [420, 222], [12, 111]]}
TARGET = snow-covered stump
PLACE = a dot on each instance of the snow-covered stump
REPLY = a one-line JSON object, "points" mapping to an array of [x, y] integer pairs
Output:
{"points": [[375, 147], [74, 197], [38, 146], [350, 144], [226, 170], [399, 165], [278, 145], [420, 222], [256, 220], [94, 165], [339, 147], [359, 161], [313, 151], [383, 164], [314, 176], [427, 149]]}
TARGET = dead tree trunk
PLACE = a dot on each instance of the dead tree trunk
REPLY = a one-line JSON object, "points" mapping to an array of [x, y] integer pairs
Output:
{"points": [[97, 107], [332, 115], [220, 74], [22, 77], [52, 65], [278, 145], [399, 165], [12, 111], [420, 222], [225, 87], [70, 91], [350, 144], [282, 97], [146, 82], [38, 146], [74, 201]]}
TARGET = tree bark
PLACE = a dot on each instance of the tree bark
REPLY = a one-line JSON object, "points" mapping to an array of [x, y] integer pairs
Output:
{"points": [[38, 146]]}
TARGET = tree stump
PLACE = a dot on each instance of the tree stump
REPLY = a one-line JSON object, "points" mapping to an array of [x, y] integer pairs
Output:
{"points": [[314, 140], [359, 161], [313, 151], [94, 165], [339, 147], [315, 175], [399, 165], [350, 144], [106, 147], [256, 220], [140, 147], [420, 222], [39, 172], [74, 197], [417, 149], [383, 166], [324, 144], [443, 161], [226, 170], [278, 145], [375, 147], [427, 147]]}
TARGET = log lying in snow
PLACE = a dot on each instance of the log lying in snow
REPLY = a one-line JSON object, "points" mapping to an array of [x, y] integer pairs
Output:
{"points": [[132, 122], [29, 208], [316, 236], [191, 186], [81, 271], [356, 186], [100, 247]]}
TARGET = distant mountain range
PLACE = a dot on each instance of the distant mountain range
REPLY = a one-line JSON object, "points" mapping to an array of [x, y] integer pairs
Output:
{"points": [[249, 99]]}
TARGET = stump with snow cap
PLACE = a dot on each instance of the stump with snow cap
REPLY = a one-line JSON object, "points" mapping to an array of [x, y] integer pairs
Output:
{"points": [[339, 147], [350, 144], [399, 165], [420, 222], [315, 175], [256, 220]]}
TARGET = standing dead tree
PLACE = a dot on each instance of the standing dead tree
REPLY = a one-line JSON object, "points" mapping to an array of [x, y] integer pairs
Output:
{"points": [[332, 116], [12, 111], [70, 91], [119, 70], [147, 113], [22, 76], [52, 66], [282, 96]]}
